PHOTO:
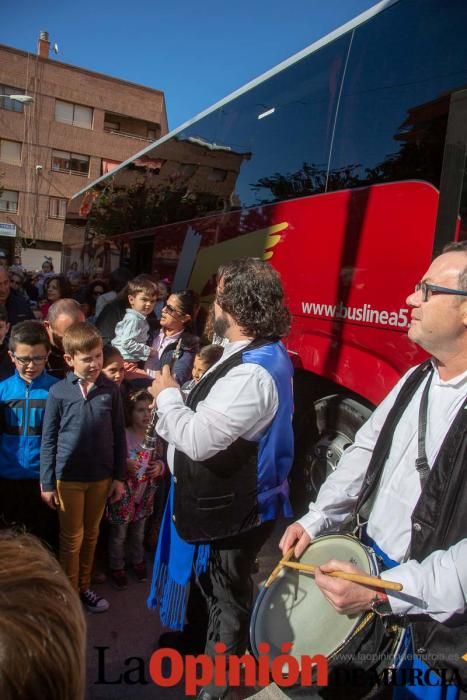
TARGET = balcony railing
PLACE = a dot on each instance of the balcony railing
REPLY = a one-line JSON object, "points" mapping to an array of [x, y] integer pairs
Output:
{"points": [[126, 134]]}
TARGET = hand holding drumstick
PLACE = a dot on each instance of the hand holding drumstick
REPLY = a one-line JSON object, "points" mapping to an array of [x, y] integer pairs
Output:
{"points": [[362, 578], [346, 597]]}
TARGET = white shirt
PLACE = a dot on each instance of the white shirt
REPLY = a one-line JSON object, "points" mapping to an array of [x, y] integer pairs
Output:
{"points": [[437, 585], [241, 404]]}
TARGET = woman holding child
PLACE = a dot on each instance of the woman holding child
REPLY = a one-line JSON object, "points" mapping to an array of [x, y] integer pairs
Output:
{"points": [[176, 335]]}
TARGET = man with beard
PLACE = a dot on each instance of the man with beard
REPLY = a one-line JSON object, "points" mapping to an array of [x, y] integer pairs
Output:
{"points": [[230, 450], [63, 314]]}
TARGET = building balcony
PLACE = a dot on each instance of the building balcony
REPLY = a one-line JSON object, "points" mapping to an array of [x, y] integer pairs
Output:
{"points": [[128, 127]]}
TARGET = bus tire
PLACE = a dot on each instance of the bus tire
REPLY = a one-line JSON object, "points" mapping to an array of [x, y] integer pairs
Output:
{"points": [[331, 427]]}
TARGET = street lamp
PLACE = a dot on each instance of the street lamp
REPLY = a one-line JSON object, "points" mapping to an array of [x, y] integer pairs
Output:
{"points": [[25, 99]]}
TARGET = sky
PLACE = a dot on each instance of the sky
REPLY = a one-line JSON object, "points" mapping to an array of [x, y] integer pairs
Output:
{"points": [[196, 51]]}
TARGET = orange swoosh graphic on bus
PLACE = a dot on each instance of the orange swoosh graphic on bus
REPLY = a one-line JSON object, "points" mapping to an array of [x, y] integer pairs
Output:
{"points": [[257, 244], [273, 239]]}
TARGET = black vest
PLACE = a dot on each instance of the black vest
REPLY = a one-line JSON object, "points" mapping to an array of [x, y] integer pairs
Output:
{"points": [[216, 498], [439, 520]]}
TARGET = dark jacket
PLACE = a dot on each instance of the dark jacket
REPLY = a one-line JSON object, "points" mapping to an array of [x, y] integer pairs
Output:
{"points": [[83, 439], [17, 308], [56, 365], [111, 314], [182, 367], [439, 520], [7, 368]]}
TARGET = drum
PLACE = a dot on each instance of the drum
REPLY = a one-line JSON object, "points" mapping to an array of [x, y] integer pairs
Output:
{"points": [[293, 609]]}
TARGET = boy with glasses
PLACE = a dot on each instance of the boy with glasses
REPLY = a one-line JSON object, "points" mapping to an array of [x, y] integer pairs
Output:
{"points": [[22, 406]]}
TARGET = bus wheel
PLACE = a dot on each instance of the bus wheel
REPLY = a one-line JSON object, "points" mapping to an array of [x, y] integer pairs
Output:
{"points": [[337, 418]]}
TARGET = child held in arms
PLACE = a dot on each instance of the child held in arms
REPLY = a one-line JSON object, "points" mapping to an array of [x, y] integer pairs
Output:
{"points": [[131, 333]]}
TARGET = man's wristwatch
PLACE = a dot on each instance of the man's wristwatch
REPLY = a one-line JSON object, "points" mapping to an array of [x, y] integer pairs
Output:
{"points": [[380, 604]]}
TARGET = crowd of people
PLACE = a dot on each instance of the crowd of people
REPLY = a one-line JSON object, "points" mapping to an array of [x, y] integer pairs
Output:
{"points": [[63, 388], [37, 290], [225, 444]]}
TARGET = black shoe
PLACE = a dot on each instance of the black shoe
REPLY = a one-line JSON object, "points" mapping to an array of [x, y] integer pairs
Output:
{"points": [[185, 644]]}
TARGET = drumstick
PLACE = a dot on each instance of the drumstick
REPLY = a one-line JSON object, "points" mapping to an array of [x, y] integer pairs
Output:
{"points": [[280, 566], [373, 581]]}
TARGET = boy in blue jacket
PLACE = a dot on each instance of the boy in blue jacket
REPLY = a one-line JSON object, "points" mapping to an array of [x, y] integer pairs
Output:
{"points": [[22, 407]]}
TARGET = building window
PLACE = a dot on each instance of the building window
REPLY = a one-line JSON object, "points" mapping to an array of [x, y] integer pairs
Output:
{"points": [[12, 105], [217, 175], [9, 201], [188, 169], [152, 136], [10, 152], [76, 115], [57, 208], [111, 126], [73, 163], [108, 165]]}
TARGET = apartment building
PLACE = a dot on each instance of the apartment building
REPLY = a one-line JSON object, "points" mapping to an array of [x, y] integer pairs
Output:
{"points": [[60, 127]]}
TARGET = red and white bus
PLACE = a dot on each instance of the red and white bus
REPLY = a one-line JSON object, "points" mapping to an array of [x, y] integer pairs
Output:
{"points": [[345, 167]]}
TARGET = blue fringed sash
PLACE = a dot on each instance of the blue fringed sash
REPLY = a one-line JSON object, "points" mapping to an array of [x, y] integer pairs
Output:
{"points": [[173, 566]]}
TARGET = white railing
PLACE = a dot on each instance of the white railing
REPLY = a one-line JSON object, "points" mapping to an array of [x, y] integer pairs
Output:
{"points": [[126, 134]]}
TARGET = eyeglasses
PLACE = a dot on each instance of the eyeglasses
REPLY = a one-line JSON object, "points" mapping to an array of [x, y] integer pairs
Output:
{"points": [[35, 359], [171, 310], [427, 289]]}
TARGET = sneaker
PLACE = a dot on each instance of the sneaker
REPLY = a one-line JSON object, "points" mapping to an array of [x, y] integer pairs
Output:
{"points": [[118, 579], [94, 603], [140, 572]]}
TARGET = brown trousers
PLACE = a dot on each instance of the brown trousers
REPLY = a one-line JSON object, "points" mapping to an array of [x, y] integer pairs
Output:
{"points": [[82, 505]]}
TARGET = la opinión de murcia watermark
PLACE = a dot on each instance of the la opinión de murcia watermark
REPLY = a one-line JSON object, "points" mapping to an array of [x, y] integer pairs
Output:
{"points": [[225, 669], [168, 668]]}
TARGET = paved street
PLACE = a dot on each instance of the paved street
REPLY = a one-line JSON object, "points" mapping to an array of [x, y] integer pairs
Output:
{"points": [[129, 629]]}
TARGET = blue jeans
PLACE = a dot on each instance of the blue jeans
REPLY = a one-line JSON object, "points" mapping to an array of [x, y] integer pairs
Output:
{"points": [[131, 534]]}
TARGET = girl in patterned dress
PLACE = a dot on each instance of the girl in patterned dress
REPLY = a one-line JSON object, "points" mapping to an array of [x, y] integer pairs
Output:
{"points": [[127, 518]]}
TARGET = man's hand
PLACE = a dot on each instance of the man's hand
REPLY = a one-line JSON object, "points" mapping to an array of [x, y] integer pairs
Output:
{"points": [[163, 380], [51, 498], [116, 491], [346, 597], [293, 533]]}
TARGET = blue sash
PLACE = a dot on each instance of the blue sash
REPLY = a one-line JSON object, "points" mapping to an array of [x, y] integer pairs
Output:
{"points": [[173, 568], [407, 662]]}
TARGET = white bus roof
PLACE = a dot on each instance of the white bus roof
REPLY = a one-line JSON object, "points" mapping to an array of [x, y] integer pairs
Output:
{"points": [[348, 26]]}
